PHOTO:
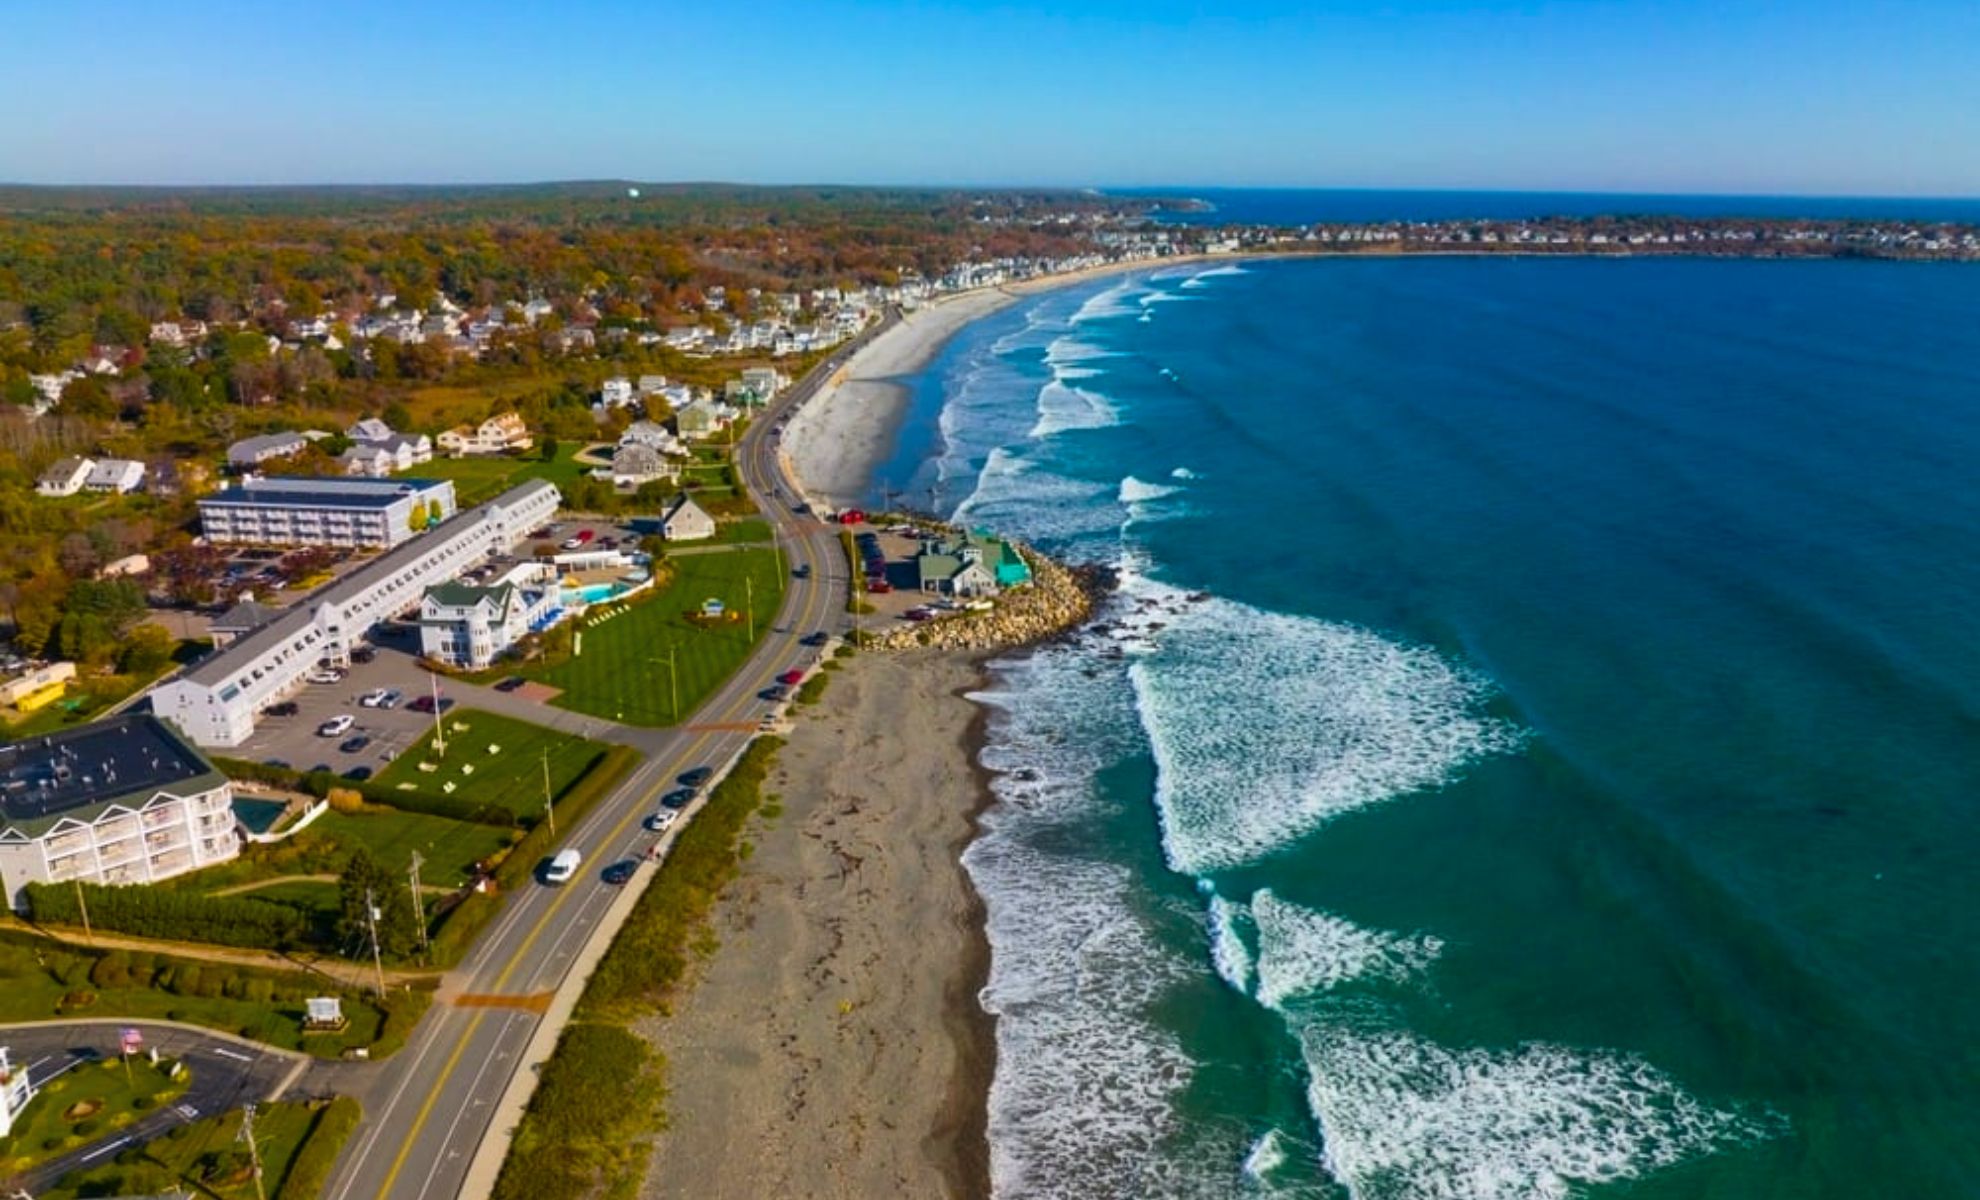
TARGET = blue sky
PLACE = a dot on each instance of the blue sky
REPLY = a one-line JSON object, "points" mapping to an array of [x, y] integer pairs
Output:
{"points": [[1680, 96]]}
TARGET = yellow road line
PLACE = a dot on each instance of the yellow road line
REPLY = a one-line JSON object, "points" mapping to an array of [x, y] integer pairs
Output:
{"points": [[516, 960]]}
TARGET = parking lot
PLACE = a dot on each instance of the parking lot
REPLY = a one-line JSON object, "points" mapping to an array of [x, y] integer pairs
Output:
{"points": [[293, 740]]}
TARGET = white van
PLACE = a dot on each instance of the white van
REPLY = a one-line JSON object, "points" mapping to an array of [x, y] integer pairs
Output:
{"points": [[563, 868]]}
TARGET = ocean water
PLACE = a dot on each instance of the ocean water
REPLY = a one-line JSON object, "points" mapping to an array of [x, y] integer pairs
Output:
{"points": [[1535, 748], [1304, 206]]}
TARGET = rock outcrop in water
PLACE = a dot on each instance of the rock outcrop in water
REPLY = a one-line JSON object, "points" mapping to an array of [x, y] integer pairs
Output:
{"points": [[1058, 598]]}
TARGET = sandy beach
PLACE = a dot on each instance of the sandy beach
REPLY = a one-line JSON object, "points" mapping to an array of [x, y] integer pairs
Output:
{"points": [[835, 441], [833, 1047]]}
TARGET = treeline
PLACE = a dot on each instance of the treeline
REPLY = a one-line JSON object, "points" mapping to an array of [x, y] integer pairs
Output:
{"points": [[170, 915]]}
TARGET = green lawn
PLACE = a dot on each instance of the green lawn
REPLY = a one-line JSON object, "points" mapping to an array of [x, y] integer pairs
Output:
{"points": [[204, 1156], [450, 848], [511, 776], [749, 529], [621, 672], [484, 477], [113, 1096]]}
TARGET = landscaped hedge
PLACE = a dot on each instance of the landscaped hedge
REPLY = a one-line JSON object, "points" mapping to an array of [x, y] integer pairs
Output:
{"points": [[171, 915], [309, 1171], [599, 1093]]}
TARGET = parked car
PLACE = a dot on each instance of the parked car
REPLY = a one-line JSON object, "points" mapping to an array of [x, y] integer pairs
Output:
{"points": [[287, 708], [324, 675], [363, 654], [424, 704], [373, 698], [511, 683], [879, 587], [817, 637], [660, 821], [572, 543], [336, 726], [801, 571], [584, 536], [776, 693], [678, 798], [697, 776], [563, 868], [918, 614], [792, 677], [353, 745], [358, 774], [620, 872], [391, 698]]}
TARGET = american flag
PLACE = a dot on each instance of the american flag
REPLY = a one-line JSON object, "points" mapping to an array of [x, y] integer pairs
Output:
{"points": [[133, 1040]]}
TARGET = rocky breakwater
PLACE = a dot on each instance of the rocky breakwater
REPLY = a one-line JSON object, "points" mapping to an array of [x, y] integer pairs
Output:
{"points": [[1058, 598]]}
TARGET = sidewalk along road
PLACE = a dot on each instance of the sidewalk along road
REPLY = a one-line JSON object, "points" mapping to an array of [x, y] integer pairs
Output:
{"points": [[431, 1104]]}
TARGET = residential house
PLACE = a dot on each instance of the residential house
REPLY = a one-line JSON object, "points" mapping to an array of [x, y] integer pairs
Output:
{"points": [[653, 434], [498, 434], [686, 521], [573, 338], [251, 452], [65, 478], [652, 385], [977, 564], [764, 381], [634, 464], [702, 419], [380, 451], [470, 627], [115, 475], [616, 392]]}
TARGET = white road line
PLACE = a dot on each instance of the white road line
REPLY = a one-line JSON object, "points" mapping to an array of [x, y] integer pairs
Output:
{"points": [[378, 1126], [236, 1055], [474, 1091], [102, 1150]]}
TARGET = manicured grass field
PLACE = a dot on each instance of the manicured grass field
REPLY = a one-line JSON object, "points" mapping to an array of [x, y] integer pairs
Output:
{"points": [[450, 848], [114, 1098], [621, 671], [511, 776], [181, 1159], [483, 478]]}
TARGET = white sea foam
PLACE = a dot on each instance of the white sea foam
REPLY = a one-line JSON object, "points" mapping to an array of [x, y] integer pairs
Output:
{"points": [[1405, 1119], [1062, 407], [1302, 951], [1108, 303], [1138, 491], [1228, 952], [1266, 726], [1084, 1100], [1183, 473], [1019, 494]]}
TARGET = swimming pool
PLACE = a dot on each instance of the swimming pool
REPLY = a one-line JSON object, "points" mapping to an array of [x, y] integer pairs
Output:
{"points": [[592, 593]]}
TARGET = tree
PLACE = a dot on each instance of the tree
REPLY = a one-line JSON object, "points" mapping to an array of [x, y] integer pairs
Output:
{"points": [[145, 651], [398, 931], [548, 451]]}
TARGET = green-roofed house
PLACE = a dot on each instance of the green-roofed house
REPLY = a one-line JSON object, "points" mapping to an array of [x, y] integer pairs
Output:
{"points": [[125, 800], [470, 626], [976, 565]]}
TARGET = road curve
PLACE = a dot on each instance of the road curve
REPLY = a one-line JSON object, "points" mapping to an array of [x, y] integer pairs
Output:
{"points": [[427, 1109]]}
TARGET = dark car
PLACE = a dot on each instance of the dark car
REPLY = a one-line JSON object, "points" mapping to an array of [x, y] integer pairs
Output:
{"points": [[817, 637], [678, 798], [511, 683], [358, 774], [424, 704], [353, 745], [801, 571], [697, 776], [620, 872], [775, 693], [363, 654], [287, 708]]}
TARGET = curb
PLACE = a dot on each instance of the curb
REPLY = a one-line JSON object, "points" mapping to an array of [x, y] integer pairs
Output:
{"points": [[201, 1030]]}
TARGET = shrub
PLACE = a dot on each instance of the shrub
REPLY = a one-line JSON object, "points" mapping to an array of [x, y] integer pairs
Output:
{"points": [[345, 800], [309, 1172], [177, 915], [88, 1127], [79, 998], [142, 1103]]}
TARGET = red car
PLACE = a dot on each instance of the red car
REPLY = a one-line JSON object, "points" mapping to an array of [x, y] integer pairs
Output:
{"points": [[880, 586], [791, 678], [852, 516], [584, 536]]}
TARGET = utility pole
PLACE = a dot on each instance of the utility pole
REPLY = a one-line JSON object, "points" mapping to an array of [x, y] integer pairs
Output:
{"points": [[254, 1151], [377, 955], [749, 591], [419, 900], [83, 908], [549, 810]]}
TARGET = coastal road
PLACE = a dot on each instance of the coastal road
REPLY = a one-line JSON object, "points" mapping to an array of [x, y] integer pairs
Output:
{"points": [[226, 1073], [428, 1108]]}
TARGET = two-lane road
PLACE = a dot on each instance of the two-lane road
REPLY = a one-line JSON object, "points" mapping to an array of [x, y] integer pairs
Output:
{"points": [[428, 1109]]}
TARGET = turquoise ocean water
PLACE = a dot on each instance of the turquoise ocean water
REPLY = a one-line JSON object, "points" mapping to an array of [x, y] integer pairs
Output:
{"points": [[1533, 751]]}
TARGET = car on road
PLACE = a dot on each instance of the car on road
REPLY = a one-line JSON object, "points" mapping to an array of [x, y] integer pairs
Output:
{"points": [[355, 744], [800, 509], [678, 798], [817, 637], [792, 677], [424, 704], [336, 726], [620, 872], [801, 571], [659, 822], [510, 684], [697, 776], [563, 868], [373, 698], [287, 708], [358, 774]]}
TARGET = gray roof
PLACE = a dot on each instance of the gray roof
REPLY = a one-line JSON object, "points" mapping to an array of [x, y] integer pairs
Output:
{"points": [[248, 614], [218, 667], [385, 496], [81, 772], [251, 449]]}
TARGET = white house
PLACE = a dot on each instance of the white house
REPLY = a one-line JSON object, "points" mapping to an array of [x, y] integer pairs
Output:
{"points": [[115, 475], [652, 385], [65, 478], [497, 435], [653, 434], [466, 626], [634, 464], [686, 521], [616, 392]]}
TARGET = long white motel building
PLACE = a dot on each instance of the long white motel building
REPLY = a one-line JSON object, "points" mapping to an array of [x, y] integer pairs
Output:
{"points": [[123, 800], [219, 700]]}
